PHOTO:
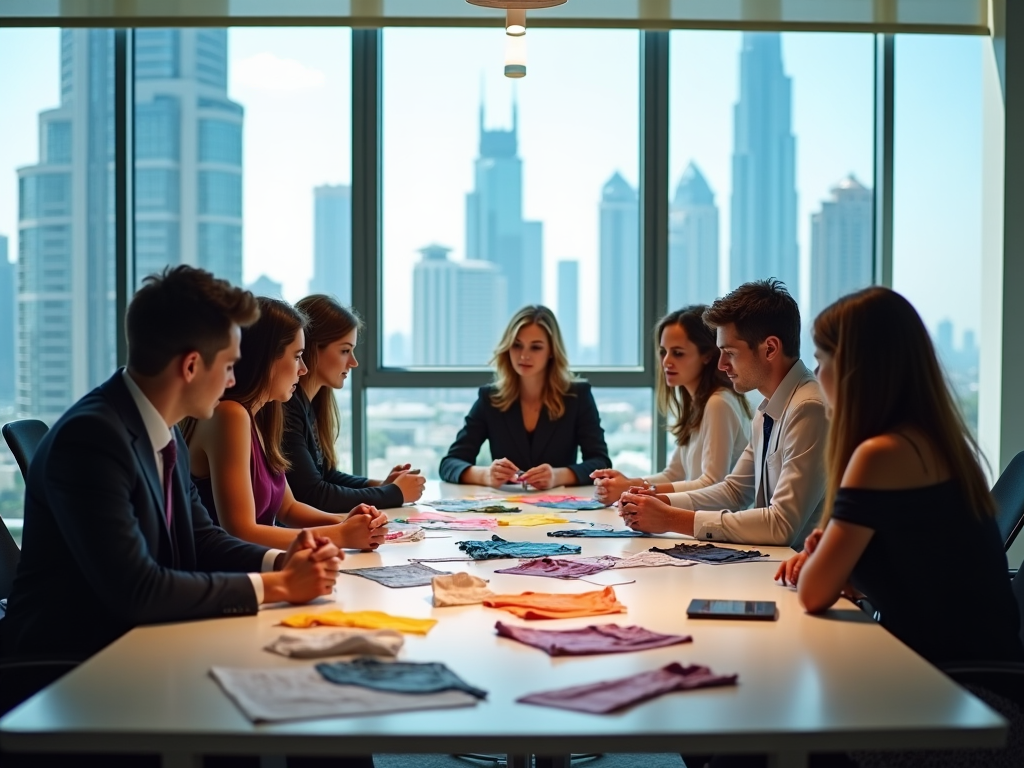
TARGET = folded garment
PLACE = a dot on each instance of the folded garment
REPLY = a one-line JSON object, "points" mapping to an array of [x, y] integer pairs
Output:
{"points": [[498, 548], [290, 693], [364, 619], [469, 505], [402, 532], [459, 589], [709, 553], [470, 524], [602, 638], [558, 568], [577, 504], [611, 695], [544, 605], [397, 676], [597, 533], [341, 642], [546, 498], [397, 576], [534, 520], [652, 560]]}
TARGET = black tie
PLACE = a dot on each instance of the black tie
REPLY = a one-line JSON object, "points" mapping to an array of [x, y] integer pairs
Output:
{"points": [[769, 422], [170, 455]]}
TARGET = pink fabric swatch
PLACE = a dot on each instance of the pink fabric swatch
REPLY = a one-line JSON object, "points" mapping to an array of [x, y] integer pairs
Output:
{"points": [[603, 638]]}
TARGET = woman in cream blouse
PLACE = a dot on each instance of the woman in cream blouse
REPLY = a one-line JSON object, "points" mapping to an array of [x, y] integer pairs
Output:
{"points": [[710, 421]]}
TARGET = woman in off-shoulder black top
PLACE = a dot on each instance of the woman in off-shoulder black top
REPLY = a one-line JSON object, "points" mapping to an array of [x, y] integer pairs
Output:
{"points": [[936, 574]]}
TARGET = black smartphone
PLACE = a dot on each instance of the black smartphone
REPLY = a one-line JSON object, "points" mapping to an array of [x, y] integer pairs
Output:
{"points": [[757, 610]]}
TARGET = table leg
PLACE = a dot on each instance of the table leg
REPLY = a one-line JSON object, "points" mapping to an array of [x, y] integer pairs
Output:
{"points": [[181, 760], [519, 761], [553, 761], [788, 760]]}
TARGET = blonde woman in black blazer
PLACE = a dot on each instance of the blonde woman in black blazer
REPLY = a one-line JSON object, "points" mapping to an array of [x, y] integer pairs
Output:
{"points": [[536, 415]]}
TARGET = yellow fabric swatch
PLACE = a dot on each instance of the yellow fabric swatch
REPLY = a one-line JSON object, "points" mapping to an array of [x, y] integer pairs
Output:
{"points": [[362, 619], [533, 520]]}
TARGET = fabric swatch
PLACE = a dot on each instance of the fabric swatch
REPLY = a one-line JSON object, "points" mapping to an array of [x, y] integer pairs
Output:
{"points": [[575, 504], [470, 505], [363, 619], [341, 642], [602, 638], [529, 520], [611, 695], [709, 553], [470, 524], [397, 676], [498, 548], [546, 498], [652, 560], [397, 576], [267, 695], [557, 568], [402, 532], [544, 605], [459, 589], [592, 533]]}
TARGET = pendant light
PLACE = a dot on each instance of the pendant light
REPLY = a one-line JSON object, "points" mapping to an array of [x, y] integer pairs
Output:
{"points": [[515, 29]]}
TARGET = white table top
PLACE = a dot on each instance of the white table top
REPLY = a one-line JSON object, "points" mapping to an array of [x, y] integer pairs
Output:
{"points": [[806, 683]]}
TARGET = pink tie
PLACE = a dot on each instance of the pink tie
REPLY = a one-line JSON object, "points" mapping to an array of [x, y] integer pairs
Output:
{"points": [[170, 455]]}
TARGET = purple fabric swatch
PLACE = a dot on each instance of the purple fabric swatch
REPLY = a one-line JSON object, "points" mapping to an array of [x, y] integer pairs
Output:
{"points": [[560, 569], [611, 695], [603, 638]]}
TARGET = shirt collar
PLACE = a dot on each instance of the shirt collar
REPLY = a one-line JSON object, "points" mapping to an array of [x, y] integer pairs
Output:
{"points": [[775, 406], [156, 427]]}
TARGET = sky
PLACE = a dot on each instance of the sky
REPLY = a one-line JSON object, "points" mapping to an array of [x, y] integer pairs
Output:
{"points": [[579, 123]]}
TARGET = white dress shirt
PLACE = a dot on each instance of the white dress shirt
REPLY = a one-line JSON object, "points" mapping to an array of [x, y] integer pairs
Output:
{"points": [[160, 435], [713, 449], [786, 491]]}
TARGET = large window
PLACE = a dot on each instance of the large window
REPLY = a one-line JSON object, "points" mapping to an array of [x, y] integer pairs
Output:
{"points": [[771, 165], [937, 212], [57, 284]]}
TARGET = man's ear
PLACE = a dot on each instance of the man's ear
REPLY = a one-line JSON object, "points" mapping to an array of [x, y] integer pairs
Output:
{"points": [[189, 366], [772, 347]]}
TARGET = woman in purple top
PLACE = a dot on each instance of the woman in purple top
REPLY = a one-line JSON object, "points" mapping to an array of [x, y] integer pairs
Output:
{"points": [[238, 464]]}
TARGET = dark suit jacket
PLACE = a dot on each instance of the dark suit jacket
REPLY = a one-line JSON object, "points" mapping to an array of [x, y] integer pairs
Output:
{"points": [[97, 558], [311, 482], [554, 442]]}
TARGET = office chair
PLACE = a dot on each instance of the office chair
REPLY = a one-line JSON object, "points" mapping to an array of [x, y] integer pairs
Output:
{"points": [[23, 437], [1009, 495]]}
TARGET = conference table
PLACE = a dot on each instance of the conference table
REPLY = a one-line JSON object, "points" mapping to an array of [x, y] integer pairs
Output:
{"points": [[831, 682]]}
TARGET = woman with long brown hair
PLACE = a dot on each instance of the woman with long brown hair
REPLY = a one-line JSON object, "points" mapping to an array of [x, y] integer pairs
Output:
{"points": [[311, 419], [710, 421], [238, 465], [536, 415], [904, 483]]}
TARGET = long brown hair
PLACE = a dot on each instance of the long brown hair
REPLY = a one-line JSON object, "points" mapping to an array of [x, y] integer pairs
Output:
{"points": [[263, 343], [559, 377], [327, 322], [888, 376], [675, 403]]}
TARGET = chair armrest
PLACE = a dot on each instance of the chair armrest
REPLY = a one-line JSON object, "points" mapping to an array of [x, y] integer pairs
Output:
{"points": [[1005, 678]]}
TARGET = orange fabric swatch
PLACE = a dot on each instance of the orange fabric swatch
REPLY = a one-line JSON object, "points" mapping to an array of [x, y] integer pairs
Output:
{"points": [[545, 605]]}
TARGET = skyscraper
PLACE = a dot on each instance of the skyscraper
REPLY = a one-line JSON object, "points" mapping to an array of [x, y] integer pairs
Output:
{"points": [[332, 242], [458, 309], [763, 226], [8, 317], [495, 229], [188, 154], [619, 273], [841, 243], [188, 197], [692, 242], [569, 307]]}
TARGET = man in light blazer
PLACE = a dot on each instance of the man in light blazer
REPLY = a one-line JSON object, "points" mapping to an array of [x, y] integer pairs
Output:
{"points": [[774, 494], [115, 534]]}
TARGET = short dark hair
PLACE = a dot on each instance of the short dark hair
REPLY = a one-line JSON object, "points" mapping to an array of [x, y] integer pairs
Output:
{"points": [[759, 309], [182, 310]]}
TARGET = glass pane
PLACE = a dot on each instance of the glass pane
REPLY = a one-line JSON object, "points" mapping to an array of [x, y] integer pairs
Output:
{"points": [[57, 334], [771, 165], [937, 198], [489, 186], [418, 425]]}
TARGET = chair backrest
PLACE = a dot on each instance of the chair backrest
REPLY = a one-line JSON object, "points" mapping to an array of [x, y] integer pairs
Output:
{"points": [[1009, 495], [23, 437]]}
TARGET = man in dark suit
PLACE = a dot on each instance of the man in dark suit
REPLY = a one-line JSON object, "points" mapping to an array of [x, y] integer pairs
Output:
{"points": [[115, 534]]}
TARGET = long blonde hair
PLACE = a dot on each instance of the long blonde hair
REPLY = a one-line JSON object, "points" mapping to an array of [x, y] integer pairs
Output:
{"points": [[888, 376], [675, 403], [559, 377]]}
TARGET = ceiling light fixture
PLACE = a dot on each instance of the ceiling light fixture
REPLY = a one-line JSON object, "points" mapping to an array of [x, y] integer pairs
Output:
{"points": [[515, 29]]}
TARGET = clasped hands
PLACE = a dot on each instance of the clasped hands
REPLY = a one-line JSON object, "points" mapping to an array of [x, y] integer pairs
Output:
{"points": [[306, 571], [365, 527], [503, 471], [408, 480], [644, 509]]}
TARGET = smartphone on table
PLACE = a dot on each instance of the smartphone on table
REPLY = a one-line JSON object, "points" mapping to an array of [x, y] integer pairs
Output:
{"points": [[756, 610]]}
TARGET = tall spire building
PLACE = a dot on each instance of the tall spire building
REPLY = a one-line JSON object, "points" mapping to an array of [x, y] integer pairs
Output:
{"points": [[692, 242], [763, 227], [619, 273], [495, 229]]}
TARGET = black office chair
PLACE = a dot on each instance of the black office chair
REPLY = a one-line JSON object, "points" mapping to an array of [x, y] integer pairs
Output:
{"points": [[23, 438], [1009, 495]]}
